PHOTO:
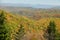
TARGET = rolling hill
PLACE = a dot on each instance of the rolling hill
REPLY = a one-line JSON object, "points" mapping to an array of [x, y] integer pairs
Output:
{"points": [[24, 28], [33, 13]]}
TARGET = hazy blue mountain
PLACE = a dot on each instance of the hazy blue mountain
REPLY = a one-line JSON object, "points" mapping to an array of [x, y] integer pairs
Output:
{"points": [[27, 5]]}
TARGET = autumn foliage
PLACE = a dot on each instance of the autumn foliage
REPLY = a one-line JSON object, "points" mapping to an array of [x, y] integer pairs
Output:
{"points": [[16, 27]]}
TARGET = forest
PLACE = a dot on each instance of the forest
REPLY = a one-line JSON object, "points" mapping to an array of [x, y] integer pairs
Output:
{"points": [[45, 25]]}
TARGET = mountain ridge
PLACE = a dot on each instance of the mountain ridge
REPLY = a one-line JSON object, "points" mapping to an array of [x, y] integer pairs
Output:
{"points": [[28, 5]]}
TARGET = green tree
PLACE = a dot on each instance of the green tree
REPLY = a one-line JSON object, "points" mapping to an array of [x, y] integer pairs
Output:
{"points": [[20, 33], [51, 30], [3, 30]]}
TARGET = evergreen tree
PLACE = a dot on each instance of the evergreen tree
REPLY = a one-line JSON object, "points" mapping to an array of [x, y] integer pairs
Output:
{"points": [[20, 33], [3, 29], [51, 30]]}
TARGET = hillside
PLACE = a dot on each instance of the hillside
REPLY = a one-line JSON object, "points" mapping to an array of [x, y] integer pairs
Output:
{"points": [[23, 28], [33, 13]]}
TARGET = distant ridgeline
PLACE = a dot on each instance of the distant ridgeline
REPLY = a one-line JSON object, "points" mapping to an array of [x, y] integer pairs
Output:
{"points": [[33, 13], [16, 27]]}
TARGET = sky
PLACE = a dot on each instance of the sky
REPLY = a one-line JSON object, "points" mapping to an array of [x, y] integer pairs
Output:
{"points": [[42, 2]]}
